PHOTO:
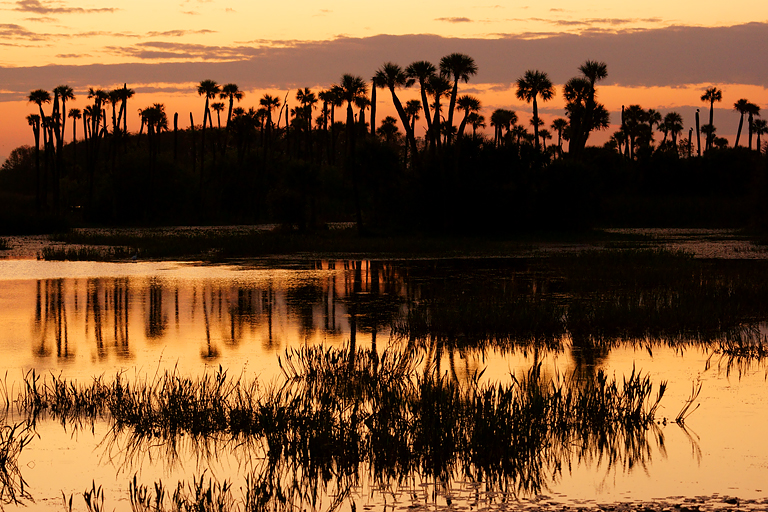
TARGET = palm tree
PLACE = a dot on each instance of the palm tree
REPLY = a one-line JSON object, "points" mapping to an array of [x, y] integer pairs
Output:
{"points": [[502, 119], [709, 130], [113, 97], [388, 129], [34, 121], [711, 95], [458, 66], [233, 92], [438, 87], [545, 136], [559, 125], [652, 118], [392, 76], [423, 72], [66, 93], [740, 107], [217, 107], [753, 110], [353, 89], [269, 103], [38, 97], [477, 121], [75, 114], [468, 104], [125, 95], [673, 124], [531, 85], [760, 127], [209, 89], [375, 84]]}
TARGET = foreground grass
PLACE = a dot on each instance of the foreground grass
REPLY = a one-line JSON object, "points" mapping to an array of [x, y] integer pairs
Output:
{"points": [[341, 415]]}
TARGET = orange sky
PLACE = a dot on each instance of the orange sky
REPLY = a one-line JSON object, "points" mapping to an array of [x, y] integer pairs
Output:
{"points": [[659, 54]]}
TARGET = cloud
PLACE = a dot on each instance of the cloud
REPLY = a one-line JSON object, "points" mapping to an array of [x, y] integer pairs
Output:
{"points": [[38, 7], [670, 56], [454, 20], [179, 33], [42, 19], [11, 31]]}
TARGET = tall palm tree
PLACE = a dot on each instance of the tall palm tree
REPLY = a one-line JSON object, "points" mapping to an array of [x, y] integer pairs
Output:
{"points": [[559, 125], [353, 89], [468, 104], [38, 97], [65, 93], [269, 103], [752, 110], [125, 95], [34, 121], [412, 109], [392, 76], [438, 87], [217, 107], [231, 92], [458, 66], [74, 114], [740, 107], [653, 118], [712, 94], [760, 127], [423, 72], [209, 89], [114, 98], [530, 86], [375, 84]]}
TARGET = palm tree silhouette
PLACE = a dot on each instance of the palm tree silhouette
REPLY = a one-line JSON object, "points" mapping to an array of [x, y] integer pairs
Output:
{"points": [[423, 72], [231, 92], [217, 107], [711, 95], [559, 125], [476, 121], [392, 76], [388, 129], [38, 97], [353, 90], [673, 124], [34, 121], [65, 93], [760, 127], [438, 87], [752, 110], [530, 86], [458, 66], [125, 95], [653, 118], [502, 119], [468, 104], [740, 107]]}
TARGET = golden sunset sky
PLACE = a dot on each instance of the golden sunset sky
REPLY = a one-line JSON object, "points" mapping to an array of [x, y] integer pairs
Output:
{"points": [[660, 54]]}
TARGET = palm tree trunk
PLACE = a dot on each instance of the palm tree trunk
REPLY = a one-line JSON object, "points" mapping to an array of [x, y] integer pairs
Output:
{"points": [[738, 132]]}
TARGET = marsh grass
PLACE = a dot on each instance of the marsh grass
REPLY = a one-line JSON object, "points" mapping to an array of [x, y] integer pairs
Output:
{"points": [[339, 414], [85, 253], [13, 439]]}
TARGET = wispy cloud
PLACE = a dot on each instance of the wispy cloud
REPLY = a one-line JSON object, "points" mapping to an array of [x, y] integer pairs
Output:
{"points": [[12, 31], [42, 19], [455, 20], [159, 50], [38, 7]]}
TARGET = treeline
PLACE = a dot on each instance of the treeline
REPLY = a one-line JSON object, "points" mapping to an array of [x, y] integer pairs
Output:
{"points": [[291, 161]]}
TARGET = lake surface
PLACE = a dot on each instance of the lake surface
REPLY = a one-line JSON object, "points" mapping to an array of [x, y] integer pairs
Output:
{"points": [[682, 322]]}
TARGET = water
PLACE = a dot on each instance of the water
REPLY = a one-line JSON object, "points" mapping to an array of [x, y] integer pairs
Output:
{"points": [[82, 320]]}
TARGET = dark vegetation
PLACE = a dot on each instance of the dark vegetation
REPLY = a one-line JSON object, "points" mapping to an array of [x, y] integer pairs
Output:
{"points": [[280, 164], [340, 415]]}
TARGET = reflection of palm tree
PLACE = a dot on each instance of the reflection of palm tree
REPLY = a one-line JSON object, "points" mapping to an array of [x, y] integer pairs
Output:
{"points": [[529, 87], [711, 95], [459, 67]]}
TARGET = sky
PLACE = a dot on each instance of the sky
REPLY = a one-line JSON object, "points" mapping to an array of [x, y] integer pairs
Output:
{"points": [[660, 54]]}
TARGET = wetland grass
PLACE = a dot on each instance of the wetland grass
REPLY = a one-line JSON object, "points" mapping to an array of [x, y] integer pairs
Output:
{"points": [[339, 414]]}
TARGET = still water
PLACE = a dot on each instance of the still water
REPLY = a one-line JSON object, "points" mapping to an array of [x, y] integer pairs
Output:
{"points": [[85, 320]]}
